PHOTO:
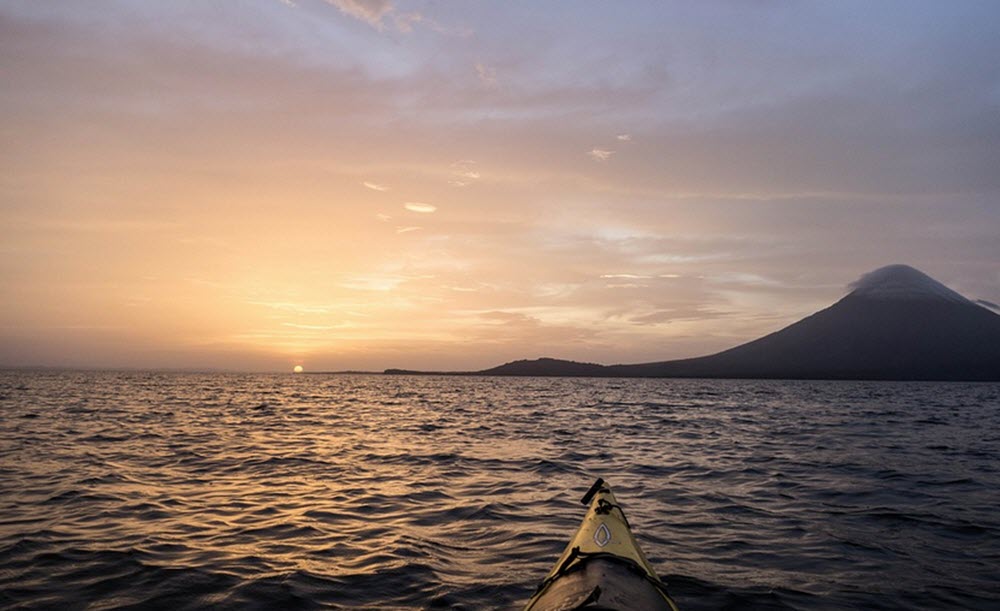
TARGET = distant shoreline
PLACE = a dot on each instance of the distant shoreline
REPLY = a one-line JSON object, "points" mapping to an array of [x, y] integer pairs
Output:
{"points": [[483, 374]]}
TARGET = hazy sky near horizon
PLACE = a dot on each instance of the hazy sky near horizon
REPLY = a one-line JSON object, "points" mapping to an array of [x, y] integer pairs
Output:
{"points": [[383, 183]]}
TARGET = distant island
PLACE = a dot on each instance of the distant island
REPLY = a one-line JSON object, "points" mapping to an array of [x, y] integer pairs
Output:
{"points": [[897, 323]]}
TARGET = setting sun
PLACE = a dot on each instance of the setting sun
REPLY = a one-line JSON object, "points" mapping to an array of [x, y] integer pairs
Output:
{"points": [[298, 369]]}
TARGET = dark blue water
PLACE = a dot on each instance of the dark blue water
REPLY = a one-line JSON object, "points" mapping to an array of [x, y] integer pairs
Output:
{"points": [[369, 492]]}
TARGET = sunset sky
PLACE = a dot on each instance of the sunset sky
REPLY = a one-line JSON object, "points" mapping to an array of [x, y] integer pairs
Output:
{"points": [[362, 184]]}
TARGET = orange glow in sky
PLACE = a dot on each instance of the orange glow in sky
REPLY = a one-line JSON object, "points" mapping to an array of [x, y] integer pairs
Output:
{"points": [[360, 185]]}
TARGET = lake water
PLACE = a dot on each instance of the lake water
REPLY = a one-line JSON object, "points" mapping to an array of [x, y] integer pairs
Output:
{"points": [[370, 492]]}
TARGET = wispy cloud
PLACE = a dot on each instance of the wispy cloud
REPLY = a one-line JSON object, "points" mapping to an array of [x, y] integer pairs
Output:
{"points": [[385, 218], [369, 11], [377, 13], [500, 326], [372, 283], [294, 307], [625, 137], [407, 229], [487, 74], [463, 173], [679, 314], [509, 317], [375, 186], [420, 207], [674, 258], [600, 154], [639, 276], [379, 281], [628, 276], [311, 327], [405, 21], [746, 279]]}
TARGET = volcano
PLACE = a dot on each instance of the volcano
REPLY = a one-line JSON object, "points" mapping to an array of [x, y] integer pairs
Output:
{"points": [[897, 323]]}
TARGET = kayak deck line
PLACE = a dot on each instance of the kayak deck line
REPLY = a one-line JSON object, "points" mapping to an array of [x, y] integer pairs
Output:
{"points": [[603, 566]]}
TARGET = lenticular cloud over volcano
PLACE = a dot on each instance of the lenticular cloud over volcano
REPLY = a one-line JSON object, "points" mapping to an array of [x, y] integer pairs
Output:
{"points": [[902, 282]]}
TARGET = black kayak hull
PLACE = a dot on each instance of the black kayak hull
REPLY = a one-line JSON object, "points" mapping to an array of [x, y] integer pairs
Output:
{"points": [[603, 583]]}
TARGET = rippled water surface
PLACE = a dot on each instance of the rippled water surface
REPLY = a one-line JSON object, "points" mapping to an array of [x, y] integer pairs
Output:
{"points": [[372, 492]]}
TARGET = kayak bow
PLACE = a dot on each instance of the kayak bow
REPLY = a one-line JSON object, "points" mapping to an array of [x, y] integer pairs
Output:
{"points": [[602, 567]]}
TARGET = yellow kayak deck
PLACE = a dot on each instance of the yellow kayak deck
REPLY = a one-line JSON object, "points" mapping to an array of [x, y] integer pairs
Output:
{"points": [[603, 566]]}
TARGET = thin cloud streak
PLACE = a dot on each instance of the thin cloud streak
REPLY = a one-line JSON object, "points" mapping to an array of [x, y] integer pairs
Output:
{"points": [[600, 154], [420, 207], [370, 11]]}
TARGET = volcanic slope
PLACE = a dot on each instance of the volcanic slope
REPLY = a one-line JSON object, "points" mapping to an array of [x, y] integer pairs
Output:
{"points": [[897, 323]]}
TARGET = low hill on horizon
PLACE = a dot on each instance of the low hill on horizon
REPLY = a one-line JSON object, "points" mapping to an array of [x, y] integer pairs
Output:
{"points": [[897, 323]]}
